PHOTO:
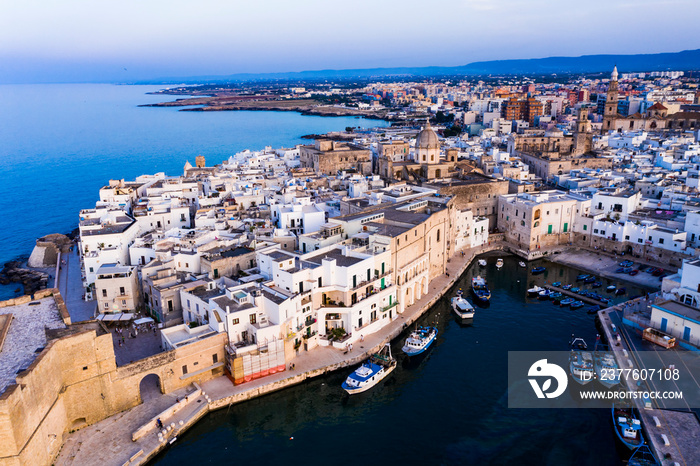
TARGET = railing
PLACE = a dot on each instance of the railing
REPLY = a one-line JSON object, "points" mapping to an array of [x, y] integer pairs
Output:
{"points": [[386, 308]]}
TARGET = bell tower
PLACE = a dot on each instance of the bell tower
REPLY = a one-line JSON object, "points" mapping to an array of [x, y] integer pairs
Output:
{"points": [[610, 112], [582, 136]]}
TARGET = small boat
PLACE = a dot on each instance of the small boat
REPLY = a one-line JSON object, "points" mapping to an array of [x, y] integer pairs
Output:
{"points": [[537, 270], [576, 305], [567, 287], [620, 291], [557, 284], [593, 309], [462, 307], [611, 288], [575, 289], [556, 296], [499, 263], [626, 263], [482, 262], [419, 340], [643, 456], [581, 366], [606, 368], [544, 294], [534, 291], [522, 264], [606, 301], [566, 302], [628, 427], [371, 372], [582, 277], [480, 289], [578, 343], [589, 279], [596, 284]]}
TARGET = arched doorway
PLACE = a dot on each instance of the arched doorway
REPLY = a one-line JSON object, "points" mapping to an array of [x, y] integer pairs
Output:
{"points": [[149, 387]]}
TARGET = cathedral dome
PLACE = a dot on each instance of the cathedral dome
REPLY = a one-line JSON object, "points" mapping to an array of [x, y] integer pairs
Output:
{"points": [[427, 139]]}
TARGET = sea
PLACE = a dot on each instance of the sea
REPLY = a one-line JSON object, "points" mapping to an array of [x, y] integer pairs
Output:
{"points": [[59, 143], [449, 407]]}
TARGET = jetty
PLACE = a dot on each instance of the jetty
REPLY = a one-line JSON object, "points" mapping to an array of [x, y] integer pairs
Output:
{"points": [[577, 296]]}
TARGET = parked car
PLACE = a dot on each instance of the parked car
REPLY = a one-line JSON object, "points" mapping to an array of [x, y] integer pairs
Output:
{"points": [[634, 272], [650, 269], [658, 272], [626, 264]]}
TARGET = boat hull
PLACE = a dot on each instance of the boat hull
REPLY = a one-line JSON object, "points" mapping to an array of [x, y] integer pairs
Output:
{"points": [[409, 351], [378, 378]]}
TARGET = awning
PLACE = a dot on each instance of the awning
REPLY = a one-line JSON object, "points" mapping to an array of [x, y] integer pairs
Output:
{"points": [[143, 320], [126, 316]]}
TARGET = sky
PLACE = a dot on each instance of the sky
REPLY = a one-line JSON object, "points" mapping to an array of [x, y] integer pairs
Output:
{"points": [[130, 40]]}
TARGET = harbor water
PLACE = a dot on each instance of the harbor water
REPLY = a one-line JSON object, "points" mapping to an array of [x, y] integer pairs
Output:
{"points": [[448, 407], [62, 142]]}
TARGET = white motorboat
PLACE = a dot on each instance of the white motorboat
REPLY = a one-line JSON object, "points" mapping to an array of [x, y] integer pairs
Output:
{"points": [[482, 262], [462, 307], [371, 372], [534, 291], [499, 263], [522, 264]]}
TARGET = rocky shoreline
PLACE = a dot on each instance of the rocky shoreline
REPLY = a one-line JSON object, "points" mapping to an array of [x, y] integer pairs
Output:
{"points": [[32, 280]]}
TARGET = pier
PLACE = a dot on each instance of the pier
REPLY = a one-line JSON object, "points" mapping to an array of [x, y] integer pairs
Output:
{"points": [[577, 296], [673, 435]]}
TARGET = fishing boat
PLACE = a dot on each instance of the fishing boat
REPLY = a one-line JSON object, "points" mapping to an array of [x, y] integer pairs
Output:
{"points": [[482, 262], [566, 302], [582, 277], [606, 368], [567, 287], [522, 264], [499, 263], [581, 362], [643, 456], [544, 294], [620, 291], [576, 305], [419, 340], [596, 284], [534, 291], [557, 284], [589, 279], [480, 289], [578, 343], [537, 270], [462, 307], [556, 296], [611, 288], [371, 372], [628, 427], [575, 289]]}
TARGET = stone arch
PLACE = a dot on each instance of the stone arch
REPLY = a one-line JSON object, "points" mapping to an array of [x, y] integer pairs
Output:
{"points": [[150, 387], [409, 296], [417, 293]]}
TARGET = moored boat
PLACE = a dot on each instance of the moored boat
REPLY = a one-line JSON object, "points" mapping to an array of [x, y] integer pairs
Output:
{"points": [[581, 366], [628, 427], [480, 289], [620, 291], [482, 262], [582, 277], [557, 284], [462, 307], [567, 287], [556, 296], [606, 368], [589, 279], [596, 284], [499, 263], [566, 302], [534, 291], [371, 372], [611, 288], [537, 270], [576, 305], [543, 295], [522, 264], [419, 340]]}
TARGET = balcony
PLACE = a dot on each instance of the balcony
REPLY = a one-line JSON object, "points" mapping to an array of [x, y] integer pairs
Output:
{"points": [[386, 308]]}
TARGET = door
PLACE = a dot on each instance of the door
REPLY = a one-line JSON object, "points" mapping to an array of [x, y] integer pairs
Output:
{"points": [[686, 333], [382, 268], [664, 324], [359, 322], [549, 229], [382, 284], [566, 227]]}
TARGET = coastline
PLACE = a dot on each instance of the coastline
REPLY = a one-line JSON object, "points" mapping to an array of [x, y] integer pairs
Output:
{"points": [[221, 393]]}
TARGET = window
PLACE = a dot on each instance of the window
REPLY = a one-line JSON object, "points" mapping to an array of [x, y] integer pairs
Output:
{"points": [[106, 305], [639, 240], [122, 291], [235, 321], [661, 241], [522, 223], [585, 227], [123, 302], [595, 230], [253, 318], [438, 235], [91, 269], [602, 232], [184, 369], [104, 293], [215, 358], [627, 237]]}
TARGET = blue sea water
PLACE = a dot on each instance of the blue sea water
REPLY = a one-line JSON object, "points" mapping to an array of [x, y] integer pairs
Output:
{"points": [[60, 143]]}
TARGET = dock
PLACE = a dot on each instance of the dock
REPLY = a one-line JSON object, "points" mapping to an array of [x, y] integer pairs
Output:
{"points": [[673, 435], [576, 296]]}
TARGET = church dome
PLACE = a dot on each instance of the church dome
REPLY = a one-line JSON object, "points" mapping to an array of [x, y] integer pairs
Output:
{"points": [[427, 139]]}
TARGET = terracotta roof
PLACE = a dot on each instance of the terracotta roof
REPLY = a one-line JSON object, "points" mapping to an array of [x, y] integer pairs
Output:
{"points": [[657, 106]]}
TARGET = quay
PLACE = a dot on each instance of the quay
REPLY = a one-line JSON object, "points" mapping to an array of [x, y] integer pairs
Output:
{"points": [[681, 428], [131, 437]]}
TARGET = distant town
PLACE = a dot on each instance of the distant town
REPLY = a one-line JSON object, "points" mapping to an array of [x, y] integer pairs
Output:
{"points": [[235, 279]]}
